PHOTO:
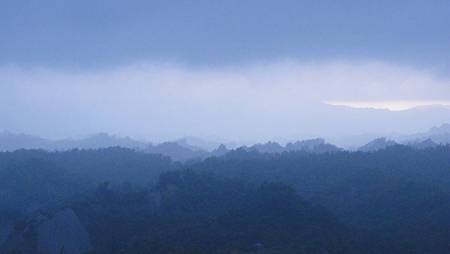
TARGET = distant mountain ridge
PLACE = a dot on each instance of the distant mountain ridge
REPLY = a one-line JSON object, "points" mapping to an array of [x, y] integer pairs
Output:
{"points": [[427, 143], [438, 134], [177, 151], [377, 144], [317, 145], [12, 141], [190, 148]]}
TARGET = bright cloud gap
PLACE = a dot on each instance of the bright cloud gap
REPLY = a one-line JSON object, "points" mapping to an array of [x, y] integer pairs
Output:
{"points": [[393, 105]]}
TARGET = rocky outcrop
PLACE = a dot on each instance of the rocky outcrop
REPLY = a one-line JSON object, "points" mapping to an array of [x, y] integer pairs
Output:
{"points": [[63, 233]]}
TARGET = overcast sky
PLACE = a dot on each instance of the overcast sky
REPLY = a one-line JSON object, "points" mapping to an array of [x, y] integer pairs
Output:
{"points": [[240, 70]]}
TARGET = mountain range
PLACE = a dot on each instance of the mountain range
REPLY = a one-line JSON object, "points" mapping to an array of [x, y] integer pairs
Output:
{"points": [[190, 148]]}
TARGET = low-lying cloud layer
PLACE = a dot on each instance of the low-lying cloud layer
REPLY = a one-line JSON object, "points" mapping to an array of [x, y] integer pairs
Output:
{"points": [[252, 102]]}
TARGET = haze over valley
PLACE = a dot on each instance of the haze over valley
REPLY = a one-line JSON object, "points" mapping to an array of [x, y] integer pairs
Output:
{"points": [[224, 127]]}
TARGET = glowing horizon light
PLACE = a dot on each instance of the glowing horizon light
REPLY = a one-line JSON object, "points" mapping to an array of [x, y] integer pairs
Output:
{"points": [[397, 105]]}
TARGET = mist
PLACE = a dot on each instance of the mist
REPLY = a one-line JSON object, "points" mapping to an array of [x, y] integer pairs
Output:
{"points": [[278, 100], [219, 127]]}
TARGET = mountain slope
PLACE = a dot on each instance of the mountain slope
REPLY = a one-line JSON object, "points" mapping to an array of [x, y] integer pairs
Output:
{"points": [[377, 144]]}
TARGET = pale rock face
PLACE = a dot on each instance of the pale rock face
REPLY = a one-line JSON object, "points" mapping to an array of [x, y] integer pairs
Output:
{"points": [[63, 232]]}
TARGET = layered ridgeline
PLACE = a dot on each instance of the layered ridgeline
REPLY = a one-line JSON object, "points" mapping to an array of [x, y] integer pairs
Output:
{"points": [[179, 150], [118, 200], [191, 148]]}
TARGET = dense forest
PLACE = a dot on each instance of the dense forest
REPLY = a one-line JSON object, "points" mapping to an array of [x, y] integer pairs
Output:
{"points": [[118, 200]]}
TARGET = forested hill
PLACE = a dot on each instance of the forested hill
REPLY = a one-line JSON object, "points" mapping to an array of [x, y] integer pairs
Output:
{"points": [[117, 200], [312, 174]]}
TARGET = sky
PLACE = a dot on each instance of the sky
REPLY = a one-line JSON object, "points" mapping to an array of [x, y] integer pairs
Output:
{"points": [[238, 70]]}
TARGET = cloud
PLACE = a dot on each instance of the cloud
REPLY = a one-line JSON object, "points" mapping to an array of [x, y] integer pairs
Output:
{"points": [[396, 105], [160, 101]]}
